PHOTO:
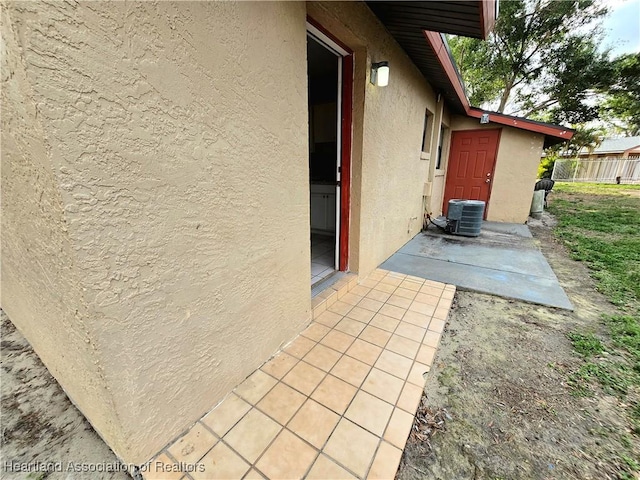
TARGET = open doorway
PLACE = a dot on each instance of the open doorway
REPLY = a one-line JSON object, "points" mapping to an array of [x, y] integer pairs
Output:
{"points": [[324, 81]]}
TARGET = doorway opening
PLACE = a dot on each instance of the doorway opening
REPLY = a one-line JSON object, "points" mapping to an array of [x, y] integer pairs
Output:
{"points": [[328, 149]]}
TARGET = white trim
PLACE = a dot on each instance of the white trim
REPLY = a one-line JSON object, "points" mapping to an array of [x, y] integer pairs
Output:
{"points": [[338, 164], [322, 38]]}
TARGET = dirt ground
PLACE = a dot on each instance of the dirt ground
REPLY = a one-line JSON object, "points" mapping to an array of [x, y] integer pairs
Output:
{"points": [[499, 386], [39, 425]]}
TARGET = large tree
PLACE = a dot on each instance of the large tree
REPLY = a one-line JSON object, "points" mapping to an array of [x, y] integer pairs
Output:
{"points": [[541, 60], [621, 107]]}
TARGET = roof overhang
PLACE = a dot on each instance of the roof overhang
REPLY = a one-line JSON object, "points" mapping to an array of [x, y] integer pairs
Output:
{"points": [[469, 18], [553, 133], [418, 28]]}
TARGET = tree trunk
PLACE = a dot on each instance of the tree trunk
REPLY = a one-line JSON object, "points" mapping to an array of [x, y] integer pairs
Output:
{"points": [[504, 98]]}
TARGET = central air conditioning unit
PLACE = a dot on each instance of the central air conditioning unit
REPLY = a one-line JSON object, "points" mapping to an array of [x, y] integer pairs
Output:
{"points": [[464, 217]]}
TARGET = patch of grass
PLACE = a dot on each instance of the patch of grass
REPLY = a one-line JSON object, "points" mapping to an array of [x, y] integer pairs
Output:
{"points": [[586, 345], [600, 224]]}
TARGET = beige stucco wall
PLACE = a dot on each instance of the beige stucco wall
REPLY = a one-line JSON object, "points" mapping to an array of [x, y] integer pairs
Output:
{"points": [[515, 172], [151, 252], [388, 175]]}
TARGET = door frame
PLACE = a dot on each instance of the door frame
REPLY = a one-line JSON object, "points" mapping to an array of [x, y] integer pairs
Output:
{"points": [[493, 168], [344, 136]]}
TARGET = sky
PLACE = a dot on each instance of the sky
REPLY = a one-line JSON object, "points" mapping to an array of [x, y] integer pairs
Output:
{"points": [[622, 27]]}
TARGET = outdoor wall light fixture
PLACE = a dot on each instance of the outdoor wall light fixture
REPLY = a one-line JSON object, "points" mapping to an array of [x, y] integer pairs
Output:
{"points": [[380, 74]]}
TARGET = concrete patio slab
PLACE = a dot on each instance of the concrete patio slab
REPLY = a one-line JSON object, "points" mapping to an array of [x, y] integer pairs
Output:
{"points": [[504, 260]]}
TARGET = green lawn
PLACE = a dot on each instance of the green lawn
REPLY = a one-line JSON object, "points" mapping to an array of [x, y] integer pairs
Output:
{"points": [[600, 224]]}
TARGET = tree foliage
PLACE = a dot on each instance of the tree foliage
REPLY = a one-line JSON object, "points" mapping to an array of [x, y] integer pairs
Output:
{"points": [[621, 107], [541, 61]]}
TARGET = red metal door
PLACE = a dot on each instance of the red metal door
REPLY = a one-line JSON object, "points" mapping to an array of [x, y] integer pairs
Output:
{"points": [[471, 164]]}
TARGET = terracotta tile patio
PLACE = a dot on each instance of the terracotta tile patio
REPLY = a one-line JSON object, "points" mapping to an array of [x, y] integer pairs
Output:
{"points": [[339, 401]]}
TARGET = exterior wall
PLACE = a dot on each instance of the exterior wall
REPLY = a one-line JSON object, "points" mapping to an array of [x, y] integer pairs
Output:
{"points": [[388, 175], [151, 253], [515, 173]]}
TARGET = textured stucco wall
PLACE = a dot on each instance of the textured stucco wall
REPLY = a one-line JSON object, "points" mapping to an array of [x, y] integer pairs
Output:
{"points": [[515, 173], [388, 175], [152, 253]]}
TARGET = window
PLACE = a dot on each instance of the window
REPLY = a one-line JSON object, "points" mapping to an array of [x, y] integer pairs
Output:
{"points": [[427, 133]]}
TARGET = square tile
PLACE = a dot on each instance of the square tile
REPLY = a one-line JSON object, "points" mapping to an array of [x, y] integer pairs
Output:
{"points": [[392, 311], [385, 287], [315, 331], [361, 314], [251, 436], [399, 428], [352, 446], [431, 338], [314, 423], [397, 301], [390, 280], [413, 278], [300, 346], [417, 374], [256, 386], [394, 364], [192, 446], [378, 295], [281, 403], [374, 335], [418, 319], [370, 304], [411, 285], [350, 326], [253, 475], [437, 325], [441, 312], [287, 457], [322, 357], [360, 290], [428, 299], [338, 340], [334, 393], [221, 462], [383, 385], [364, 351], [369, 412], [279, 365], [304, 377], [160, 468], [422, 308], [410, 331], [384, 322], [369, 282], [352, 299], [326, 469], [410, 398], [405, 293], [426, 354], [351, 370], [444, 303], [403, 346], [226, 415], [385, 465], [429, 289], [330, 319], [340, 307], [448, 294], [399, 275]]}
